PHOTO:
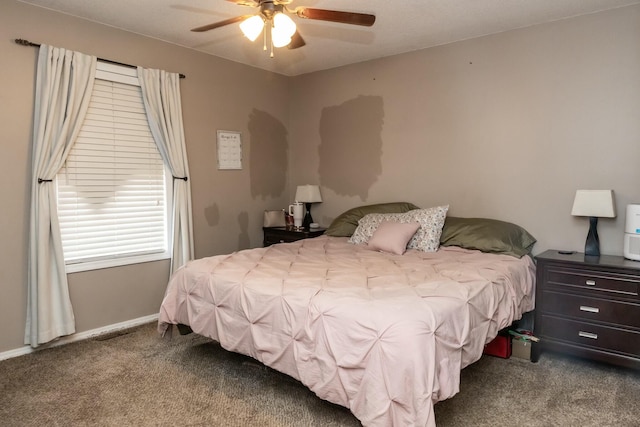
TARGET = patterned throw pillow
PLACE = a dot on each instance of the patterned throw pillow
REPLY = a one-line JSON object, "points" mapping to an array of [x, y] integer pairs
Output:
{"points": [[426, 239]]}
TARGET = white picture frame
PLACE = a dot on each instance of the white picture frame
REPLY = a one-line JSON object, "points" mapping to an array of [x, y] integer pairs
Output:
{"points": [[229, 148]]}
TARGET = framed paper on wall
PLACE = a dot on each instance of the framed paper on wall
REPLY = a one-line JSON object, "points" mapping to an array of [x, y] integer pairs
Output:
{"points": [[229, 150]]}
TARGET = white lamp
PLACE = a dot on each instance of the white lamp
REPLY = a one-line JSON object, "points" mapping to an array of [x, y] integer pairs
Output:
{"points": [[308, 194], [594, 204]]}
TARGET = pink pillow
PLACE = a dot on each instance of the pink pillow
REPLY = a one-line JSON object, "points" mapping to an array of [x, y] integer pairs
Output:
{"points": [[391, 236]]}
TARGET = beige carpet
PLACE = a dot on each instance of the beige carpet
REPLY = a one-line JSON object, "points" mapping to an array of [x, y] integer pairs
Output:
{"points": [[138, 379]]}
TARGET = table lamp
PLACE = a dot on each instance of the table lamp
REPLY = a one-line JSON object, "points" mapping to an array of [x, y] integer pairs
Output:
{"points": [[594, 204], [308, 194]]}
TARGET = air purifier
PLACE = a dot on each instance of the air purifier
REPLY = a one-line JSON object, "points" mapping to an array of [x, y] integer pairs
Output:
{"points": [[632, 233]]}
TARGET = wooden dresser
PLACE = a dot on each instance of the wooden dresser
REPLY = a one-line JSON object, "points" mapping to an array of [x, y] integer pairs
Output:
{"points": [[588, 307]]}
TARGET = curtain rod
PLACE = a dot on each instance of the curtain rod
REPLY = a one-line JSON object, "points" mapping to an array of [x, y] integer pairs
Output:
{"points": [[23, 42]]}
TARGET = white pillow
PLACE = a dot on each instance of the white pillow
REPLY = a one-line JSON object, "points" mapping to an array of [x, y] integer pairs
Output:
{"points": [[426, 239], [391, 236]]}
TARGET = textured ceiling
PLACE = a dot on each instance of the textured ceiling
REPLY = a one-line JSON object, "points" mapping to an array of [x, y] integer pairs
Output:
{"points": [[401, 26]]}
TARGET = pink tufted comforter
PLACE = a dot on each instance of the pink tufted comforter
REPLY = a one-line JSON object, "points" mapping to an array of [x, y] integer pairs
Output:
{"points": [[384, 335]]}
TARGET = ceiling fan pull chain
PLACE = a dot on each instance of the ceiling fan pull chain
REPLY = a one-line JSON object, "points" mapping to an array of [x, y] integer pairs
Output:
{"points": [[271, 37], [264, 39]]}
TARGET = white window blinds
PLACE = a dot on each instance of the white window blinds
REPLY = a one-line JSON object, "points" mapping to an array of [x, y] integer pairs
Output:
{"points": [[112, 191]]}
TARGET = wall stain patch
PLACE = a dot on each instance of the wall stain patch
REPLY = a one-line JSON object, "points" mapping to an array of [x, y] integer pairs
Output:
{"points": [[212, 214], [269, 146], [351, 146]]}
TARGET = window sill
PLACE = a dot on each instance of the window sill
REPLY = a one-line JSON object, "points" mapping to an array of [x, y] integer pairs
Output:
{"points": [[114, 262]]}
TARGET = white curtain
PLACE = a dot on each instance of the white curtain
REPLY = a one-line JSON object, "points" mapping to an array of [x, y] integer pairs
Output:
{"points": [[161, 96], [64, 83]]}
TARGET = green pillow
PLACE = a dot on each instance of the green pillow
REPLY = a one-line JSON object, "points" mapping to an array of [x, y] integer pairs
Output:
{"points": [[345, 224], [487, 235]]}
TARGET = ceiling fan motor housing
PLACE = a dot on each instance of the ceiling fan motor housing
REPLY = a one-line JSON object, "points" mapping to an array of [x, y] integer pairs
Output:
{"points": [[268, 9]]}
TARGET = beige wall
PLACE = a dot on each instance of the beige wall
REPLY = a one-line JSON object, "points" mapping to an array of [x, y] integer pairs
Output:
{"points": [[227, 205], [506, 126]]}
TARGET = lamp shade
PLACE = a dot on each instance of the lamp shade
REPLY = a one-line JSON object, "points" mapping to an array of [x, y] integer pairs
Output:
{"points": [[252, 27], [594, 203], [308, 194], [282, 30], [278, 39], [284, 25]]}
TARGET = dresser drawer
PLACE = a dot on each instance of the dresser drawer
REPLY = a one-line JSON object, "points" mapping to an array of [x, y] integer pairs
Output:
{"points": [[272, 240], [273, 235], [592, 308], [594, 281], [590, 335]]}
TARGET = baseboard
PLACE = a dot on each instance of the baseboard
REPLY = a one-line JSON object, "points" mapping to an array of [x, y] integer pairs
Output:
{"points": [[81, 336]]}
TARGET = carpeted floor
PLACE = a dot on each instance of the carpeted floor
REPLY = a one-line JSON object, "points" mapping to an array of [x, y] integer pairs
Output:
{"points": [[137, 379]]}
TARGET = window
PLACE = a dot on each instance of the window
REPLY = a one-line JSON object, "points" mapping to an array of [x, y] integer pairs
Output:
{"points": [[112, 192]]}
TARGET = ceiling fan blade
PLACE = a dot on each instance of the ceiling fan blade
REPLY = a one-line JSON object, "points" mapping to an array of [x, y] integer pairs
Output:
{"points": [[250, 3], [354, 18], [220, 23], [296, 41]]}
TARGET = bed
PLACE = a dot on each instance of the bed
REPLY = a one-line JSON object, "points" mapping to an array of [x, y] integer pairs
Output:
{"points": [[384, 334]]}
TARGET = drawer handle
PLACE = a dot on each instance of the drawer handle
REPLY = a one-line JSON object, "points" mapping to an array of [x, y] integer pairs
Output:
{"points": [[591, 282], [589, 309], [588, 335]]}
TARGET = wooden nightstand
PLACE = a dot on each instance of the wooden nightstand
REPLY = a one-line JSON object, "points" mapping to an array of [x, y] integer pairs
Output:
{"points": [[588, 307], [286, 234]]}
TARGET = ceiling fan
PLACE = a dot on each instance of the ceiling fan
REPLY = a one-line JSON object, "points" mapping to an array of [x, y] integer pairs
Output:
{"points": [[283, 31]]}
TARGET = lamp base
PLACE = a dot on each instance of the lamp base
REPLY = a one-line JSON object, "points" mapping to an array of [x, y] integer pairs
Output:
{"points": [[306, 222], [592, 245]]}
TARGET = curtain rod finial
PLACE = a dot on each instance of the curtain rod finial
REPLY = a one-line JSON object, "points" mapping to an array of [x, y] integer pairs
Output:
{"points": [[24, 42]]}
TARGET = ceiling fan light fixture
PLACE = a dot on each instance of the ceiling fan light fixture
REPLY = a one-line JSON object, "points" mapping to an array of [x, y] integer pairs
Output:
{"points": [[283, 25], [282, 29], [278, 40], [252, 27]]}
